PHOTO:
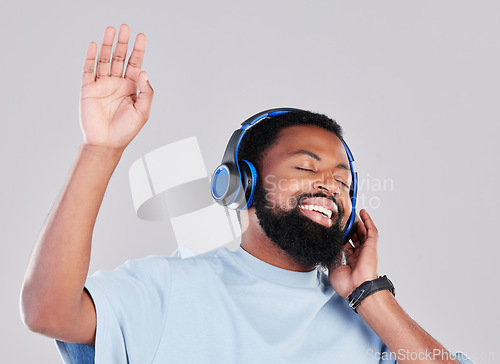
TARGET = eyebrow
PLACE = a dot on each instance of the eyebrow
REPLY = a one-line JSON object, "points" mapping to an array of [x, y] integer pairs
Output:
{"points": [[318, 158]]}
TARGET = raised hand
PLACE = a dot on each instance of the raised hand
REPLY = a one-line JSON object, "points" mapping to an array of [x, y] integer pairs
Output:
{"points": [[111, 111], [362, 259]]}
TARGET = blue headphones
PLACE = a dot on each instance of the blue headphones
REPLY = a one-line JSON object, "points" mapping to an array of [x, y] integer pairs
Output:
{"points": [[234, 180]]}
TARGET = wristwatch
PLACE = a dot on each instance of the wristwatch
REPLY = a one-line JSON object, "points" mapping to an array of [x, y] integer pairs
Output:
{"points": [[367, 288]]}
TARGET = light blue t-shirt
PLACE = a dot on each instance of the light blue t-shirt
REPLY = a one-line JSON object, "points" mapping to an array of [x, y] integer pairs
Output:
{"points": [[221, 307]]}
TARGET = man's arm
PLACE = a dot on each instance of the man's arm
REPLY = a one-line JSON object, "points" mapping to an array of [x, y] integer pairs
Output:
{"points": [[53, 299], [380, 310]]}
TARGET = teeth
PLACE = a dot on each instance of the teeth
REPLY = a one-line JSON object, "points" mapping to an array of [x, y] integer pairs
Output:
{"points": [[322, 209]]}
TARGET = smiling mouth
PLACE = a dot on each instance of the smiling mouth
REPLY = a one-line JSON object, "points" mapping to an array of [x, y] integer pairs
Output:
{"points": [[323, 210], [319, 214]]}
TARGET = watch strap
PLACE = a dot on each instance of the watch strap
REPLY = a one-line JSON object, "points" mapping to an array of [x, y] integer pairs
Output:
{"points": [[367, 288]]}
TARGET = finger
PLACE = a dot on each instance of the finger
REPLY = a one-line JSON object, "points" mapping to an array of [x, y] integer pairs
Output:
{"points": [[145, 97], [361, 231], [352, 260], [355, 240], [135, 61], [348, 249], [105, 53], [88, 75], [120, 52], [351, 255], [371, 229]]}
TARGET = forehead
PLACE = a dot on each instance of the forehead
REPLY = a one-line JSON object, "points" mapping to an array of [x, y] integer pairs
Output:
{"points": [[311, 138]]}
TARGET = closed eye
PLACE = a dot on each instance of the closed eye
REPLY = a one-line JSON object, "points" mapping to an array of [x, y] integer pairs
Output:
{"points": [[304, 169], [343, 183]]}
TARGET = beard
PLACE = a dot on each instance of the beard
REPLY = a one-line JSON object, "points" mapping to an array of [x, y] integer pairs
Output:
{"points": [[305, 241]]}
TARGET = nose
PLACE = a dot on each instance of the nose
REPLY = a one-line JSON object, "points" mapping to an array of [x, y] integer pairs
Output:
{"points": [[328, 184]]}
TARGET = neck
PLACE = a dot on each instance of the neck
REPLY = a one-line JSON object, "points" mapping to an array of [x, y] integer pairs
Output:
{"points": [[255, 242]]}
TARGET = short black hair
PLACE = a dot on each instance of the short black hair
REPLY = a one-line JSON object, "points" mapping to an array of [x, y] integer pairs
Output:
{"points": [[263, 135]]}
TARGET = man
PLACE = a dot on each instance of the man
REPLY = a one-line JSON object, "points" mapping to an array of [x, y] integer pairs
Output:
{"points": [[268, 302]]}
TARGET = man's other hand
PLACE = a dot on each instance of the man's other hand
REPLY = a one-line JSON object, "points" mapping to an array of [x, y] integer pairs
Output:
{"points": [[361, 259]]}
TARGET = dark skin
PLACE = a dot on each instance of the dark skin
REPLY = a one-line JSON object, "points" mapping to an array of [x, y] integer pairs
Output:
{"points": [[54, 301]]}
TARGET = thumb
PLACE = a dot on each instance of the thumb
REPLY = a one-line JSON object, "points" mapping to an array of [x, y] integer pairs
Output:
{"points": [[145, 97]]}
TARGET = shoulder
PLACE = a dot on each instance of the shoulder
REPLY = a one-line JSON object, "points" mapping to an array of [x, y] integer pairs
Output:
{"points": [[154, 265], [163, 266], [160, 267]]}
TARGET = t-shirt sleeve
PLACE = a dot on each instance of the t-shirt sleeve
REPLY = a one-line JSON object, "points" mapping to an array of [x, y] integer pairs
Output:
{"points": [[131, 306]]}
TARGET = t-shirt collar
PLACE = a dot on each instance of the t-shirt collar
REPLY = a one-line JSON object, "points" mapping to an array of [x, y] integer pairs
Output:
{"points": [[275, 274]]}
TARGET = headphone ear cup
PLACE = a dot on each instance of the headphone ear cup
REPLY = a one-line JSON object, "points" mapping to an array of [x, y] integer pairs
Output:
{"points": [[248, 182], [220, 184]]}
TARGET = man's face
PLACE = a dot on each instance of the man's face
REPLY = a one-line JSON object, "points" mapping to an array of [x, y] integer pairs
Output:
{"points": [[302, 197]]}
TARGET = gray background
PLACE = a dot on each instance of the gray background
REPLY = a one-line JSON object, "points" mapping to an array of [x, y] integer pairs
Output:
{"points": [[415, 85]]}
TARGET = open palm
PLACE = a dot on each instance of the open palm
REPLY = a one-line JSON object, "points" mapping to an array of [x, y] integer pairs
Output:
{"points": [[111, 111]]}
